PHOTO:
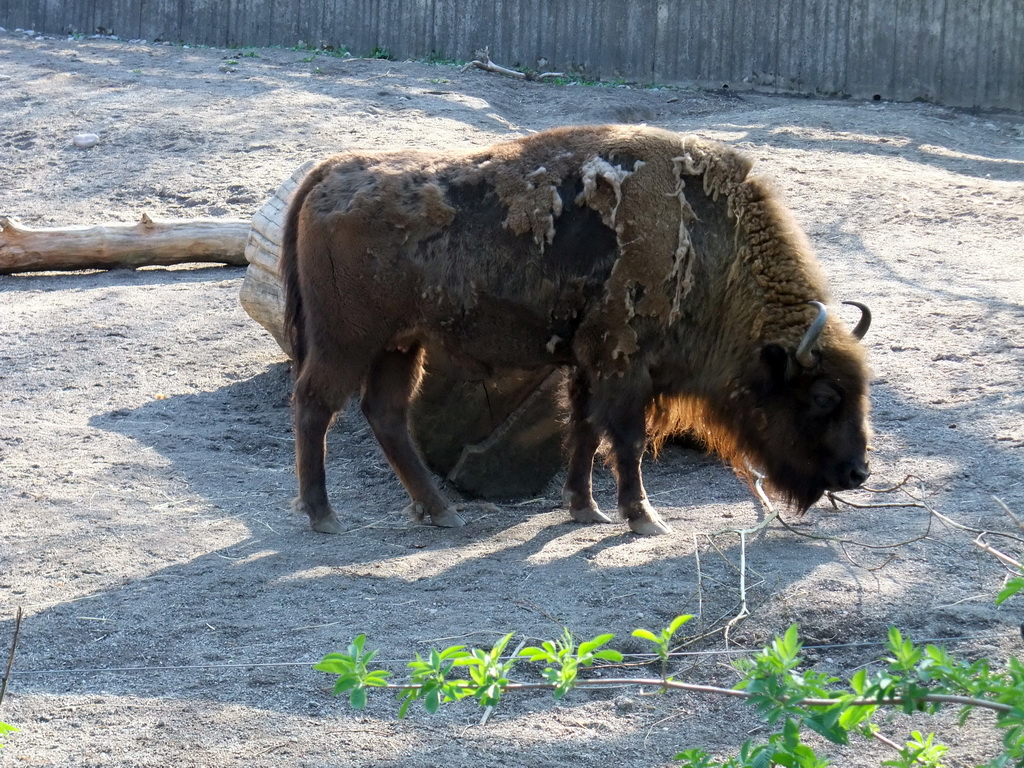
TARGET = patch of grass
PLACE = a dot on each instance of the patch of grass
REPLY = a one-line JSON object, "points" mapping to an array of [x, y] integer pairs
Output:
{"points": [[436, 58]]}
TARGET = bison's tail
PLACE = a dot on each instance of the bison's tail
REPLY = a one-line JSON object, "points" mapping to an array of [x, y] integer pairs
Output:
{"points": [[288, 266]]}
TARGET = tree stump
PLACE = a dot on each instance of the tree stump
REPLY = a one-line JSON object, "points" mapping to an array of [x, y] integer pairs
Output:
{"points": [[495, 437]]}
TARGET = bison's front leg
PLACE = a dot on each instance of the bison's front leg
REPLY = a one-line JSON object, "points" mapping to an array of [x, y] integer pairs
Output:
{"points": [[389, 387], [626, 423]]}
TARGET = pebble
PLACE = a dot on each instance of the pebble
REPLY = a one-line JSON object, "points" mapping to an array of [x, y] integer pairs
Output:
{"points": [[624, 705], [86, 140]]}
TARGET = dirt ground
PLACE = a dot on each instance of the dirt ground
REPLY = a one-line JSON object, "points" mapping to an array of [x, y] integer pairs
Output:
{"points": [[173, 604]]}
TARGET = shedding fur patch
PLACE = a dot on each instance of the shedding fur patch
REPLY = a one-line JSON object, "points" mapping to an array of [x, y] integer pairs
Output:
{"points": [[604, 199], [681, 275], [534, 208]]}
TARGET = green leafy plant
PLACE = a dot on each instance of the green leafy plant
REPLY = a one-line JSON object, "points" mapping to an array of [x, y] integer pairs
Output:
{"points": [[353, 671], [663, 639], [5, 729], [567, 659], [429, 680], [776, 682]]}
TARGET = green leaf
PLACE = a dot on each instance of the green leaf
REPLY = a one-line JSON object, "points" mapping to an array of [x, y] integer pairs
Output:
{"points": [[677, 622], [533, 653], [377, 678], [432, 702], [357, 698], [646, 635], [1013, 586], [592, 645], [6, 728], [355, 648], [499, 647], [345, 683], [334, 663], [826, 724]]}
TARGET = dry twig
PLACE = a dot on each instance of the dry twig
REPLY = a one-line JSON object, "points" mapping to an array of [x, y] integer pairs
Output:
{"points": [[10, 657], [485, 63], [1009, 512]]}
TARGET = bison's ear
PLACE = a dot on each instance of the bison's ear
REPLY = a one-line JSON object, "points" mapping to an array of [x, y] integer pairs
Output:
{"points": [[776, 360]]}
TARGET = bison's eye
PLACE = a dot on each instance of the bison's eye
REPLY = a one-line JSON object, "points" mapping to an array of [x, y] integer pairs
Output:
{"points": [[825, 397], [826, 402]]}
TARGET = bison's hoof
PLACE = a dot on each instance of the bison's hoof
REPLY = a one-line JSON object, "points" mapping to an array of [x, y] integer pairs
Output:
{"points": [[650, 527], [588, 514], [329, 524], [447, 518], [644, 519], [319, 521], [582, 507]]}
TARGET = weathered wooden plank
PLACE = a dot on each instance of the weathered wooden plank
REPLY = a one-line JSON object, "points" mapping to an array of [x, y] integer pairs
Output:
{"points": [[916, 66], [815, 44], [789, 25], [158, 20], [872, 49], [1013, 68], [960, 76], [839, 28], [20, 14], [765, 65], [127, 17], [1002, 63], [578, 34], [688, 21], [664, 48], [723, 50]]}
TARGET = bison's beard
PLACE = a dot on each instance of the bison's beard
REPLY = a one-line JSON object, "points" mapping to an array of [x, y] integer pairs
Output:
{"points": [[674, 416], [797, 492]]}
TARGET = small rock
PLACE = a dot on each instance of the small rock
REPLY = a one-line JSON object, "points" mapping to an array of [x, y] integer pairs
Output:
{"points": [[624, 705], [86, 140]]}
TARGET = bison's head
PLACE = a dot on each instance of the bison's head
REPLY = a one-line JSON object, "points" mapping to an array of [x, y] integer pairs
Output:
{"points": [[805, 424]]}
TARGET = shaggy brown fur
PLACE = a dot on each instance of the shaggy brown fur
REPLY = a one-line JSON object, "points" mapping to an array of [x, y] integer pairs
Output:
{"points": [[675, 284]]}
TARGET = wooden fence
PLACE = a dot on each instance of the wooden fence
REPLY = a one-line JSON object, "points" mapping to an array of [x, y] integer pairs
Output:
{"points": [[956, 52]]}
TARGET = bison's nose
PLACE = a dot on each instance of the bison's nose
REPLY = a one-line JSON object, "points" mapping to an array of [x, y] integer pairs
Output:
{"points": [[853, 475]]}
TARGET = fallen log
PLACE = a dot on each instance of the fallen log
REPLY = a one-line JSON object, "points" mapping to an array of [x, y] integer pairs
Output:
{"points": [[112, 246]]}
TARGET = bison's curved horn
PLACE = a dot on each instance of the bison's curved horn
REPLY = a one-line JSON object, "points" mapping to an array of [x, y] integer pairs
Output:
{"points": [[865, 318], [810, 339]]}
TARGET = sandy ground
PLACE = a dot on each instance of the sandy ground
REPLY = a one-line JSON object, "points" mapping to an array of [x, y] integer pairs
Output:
{"points": [[173, 604]]}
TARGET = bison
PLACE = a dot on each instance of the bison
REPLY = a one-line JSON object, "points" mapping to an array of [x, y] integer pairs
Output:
{"points": [[674, 286]]}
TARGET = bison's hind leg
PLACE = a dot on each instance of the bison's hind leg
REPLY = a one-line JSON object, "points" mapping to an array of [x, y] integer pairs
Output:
{"points": [[315, 406], [391, 383], [578, 493]]}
